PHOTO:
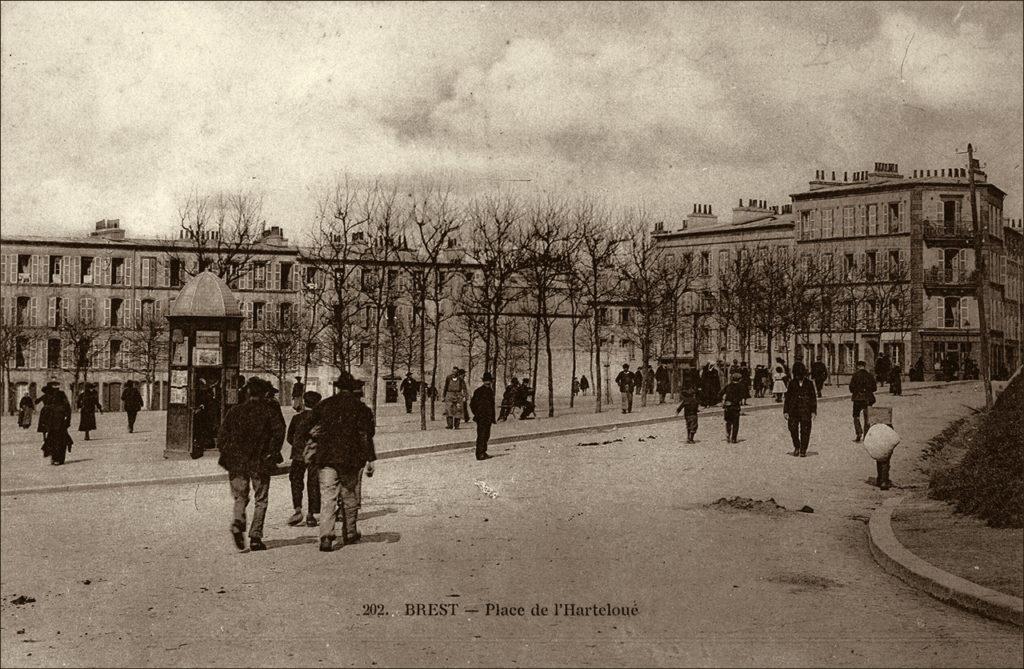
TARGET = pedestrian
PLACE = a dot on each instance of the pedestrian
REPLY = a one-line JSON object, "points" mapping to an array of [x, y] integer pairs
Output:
{"points": [[732, 396], [761, 381], [339, 445], [250, 440], [204, 421], [786, 378], [574, 387], [482, 405], [800, 408], [584, 384], [862, 389], [300, 473], [917, 371], [508, 398], [779, 382], [638, 381], [663, 382], [882, 368], [711, 387], [465, 396], [524, 399], [298, 391], [453, 392], [819, 374], [646, 382], [410, 388], [88, 404], [745, 377], [626, 383], [950, 368], [369, 426], [54, 423], [689, 406], [26, 407], [896, 380], [131, 400]]}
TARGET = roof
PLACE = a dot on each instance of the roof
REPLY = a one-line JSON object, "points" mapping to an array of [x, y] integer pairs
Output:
{"points": [[205, 294], [890, 183], [766, 222]]}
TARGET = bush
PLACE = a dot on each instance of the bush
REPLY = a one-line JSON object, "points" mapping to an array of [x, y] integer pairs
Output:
{"points": [[978, 462]]}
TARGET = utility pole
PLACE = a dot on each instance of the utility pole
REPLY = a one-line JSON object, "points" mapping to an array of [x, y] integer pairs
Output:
{"points": [[980, 237]]}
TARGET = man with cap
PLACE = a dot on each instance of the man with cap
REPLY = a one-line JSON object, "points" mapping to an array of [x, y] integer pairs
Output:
{"points": [[626, 384], [250, 440], [800, 408], [339, 445], [454, 394], [482, 405]]}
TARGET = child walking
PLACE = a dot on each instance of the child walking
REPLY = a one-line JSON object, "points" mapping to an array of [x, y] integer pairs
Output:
{"points": [[689, 407]]}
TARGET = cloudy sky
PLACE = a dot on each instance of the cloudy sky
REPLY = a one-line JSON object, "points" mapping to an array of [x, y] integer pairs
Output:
{"points": [[119, 110]]}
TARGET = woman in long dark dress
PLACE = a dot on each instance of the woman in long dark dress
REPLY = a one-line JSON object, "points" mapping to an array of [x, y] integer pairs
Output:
{"points": [[88, 405], [54, 421], [26, 407], [711, 387]]}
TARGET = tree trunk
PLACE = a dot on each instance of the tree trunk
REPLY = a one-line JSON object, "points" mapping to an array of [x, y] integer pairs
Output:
{"points": [[597, 361], [376, 362], [551, 378], [572, 394], [433, 362], [423, 364]]}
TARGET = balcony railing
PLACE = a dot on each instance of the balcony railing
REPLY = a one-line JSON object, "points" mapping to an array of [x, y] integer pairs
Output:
{"points": [[948, 276], [949, 230]]}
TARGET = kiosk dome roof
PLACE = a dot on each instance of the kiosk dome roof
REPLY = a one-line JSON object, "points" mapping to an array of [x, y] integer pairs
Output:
{"points": [[205, 294]]}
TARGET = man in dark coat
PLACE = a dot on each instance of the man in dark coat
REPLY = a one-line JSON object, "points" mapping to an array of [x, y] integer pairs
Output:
{"points": [[882, 368], [710, 386], [88, 405], [410, 388], [298, 469], [340, 446], [54, 422], [508, 398], [369, 426], [862, 387], [298, 390], [663, 383], [732, 399], [626, 382], [250, 440], [819, 374], [800, 408], [131, 400], [482, 406]]}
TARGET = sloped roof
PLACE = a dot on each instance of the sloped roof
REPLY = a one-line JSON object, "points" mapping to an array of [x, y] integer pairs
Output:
{"points": [[205, 294]]}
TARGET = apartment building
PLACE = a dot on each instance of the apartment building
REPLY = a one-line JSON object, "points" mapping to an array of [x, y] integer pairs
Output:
{"points": [[710, 244], [879, 226]]}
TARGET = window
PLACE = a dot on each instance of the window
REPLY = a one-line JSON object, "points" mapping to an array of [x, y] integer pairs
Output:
{"points": [[805, 225], [827, 216], [363, 349], [115, 353], [894, 264], [87, 310], [871, 264], [860, 221], [24, 268], [602, 315], [22, 314], [310, 275], [949, 211], [815, 232], [148, 311], [894, 217], [53, 354], [21, 346], [176, 272], [257, 353], [58, 313], [849, 266], [87, 264], [258, 315], [259, 279], [723, 259], [848, 227], [286, 276], [116, 313], [285, 314], [391, 314], [829, 269], [148, 277], [951, 313], [55, 269], [705, 263], [872, 219], [624, 316], [117, 271]]}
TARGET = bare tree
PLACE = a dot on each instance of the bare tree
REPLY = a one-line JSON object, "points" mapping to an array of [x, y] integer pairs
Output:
{"points": [[735, 295], [147, 347], [219, 232], [642, 284], [278, 349], [678, 275], [85, 340], [599, 244], [15, 338], [434, 220]]}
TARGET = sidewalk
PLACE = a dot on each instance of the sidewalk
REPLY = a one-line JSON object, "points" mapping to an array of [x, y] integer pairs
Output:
{"points": [[115, 458]]}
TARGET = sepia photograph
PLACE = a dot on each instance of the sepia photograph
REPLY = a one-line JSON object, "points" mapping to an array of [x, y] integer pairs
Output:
{"points": [[511, 334]]}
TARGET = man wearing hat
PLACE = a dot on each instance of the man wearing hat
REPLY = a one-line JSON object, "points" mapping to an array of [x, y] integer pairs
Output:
{"points": [[339, 444], [732, 396], [482, 405], [250, 440], [454, 393]]}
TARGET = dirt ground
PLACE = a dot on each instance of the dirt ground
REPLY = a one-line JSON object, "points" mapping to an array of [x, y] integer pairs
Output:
{"points": [[148, 576], [965, 546]]}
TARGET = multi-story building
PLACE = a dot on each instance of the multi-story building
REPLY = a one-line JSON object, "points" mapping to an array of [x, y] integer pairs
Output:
{"points": [[880, 227], [710, 245]]}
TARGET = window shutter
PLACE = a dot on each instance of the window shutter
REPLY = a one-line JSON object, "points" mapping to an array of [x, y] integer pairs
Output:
{"points": [[138, 312], [52, 319], [65, 270], [4, 264], [128, 262], [3, 310], [106, 312], [275, 276], [75, 275], [938, 210], [246, 315], [271, 315], [965, 321], [33, 303], [65, 309], [164, 271], [904, 223]]}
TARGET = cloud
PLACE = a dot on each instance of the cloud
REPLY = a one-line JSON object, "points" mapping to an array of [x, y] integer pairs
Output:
{"points": [[114, 110]]}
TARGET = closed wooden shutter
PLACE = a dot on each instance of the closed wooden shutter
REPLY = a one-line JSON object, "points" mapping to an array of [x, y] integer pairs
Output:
{"points": [[4, 268], [128, 263], [965, 314], [138, 312], [275, 276], [52, 312], [76, 270], [106, 312]]}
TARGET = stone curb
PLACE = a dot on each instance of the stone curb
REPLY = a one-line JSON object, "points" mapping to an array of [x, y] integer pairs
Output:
{"points": [[894, 558], [418, 450]]}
